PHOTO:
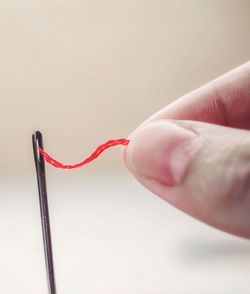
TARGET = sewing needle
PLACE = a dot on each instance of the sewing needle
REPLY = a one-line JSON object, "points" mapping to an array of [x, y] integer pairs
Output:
{"points": [[37, 141]]}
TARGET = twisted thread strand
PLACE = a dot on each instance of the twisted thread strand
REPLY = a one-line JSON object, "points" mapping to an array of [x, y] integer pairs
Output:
{"points": [[99, 150]]}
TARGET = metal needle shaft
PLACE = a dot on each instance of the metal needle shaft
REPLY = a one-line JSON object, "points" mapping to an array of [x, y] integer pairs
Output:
{"points": [[37, 140]]}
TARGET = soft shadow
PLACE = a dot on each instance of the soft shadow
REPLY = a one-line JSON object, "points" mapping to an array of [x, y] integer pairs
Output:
{"points": [[209, 250]]}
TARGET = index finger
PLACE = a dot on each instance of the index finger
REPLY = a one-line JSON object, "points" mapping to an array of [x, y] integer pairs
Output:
{"points": [[224, 101]]}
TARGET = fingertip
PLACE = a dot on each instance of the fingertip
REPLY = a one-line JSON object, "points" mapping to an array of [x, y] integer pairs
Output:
{"points": [[157, 151]]}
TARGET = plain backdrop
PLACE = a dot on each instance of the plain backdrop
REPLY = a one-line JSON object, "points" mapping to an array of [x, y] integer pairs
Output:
{"points": [[83, 72]]}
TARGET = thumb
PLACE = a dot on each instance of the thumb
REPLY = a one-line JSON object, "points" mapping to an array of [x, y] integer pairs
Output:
{"points": [[200, 168]]}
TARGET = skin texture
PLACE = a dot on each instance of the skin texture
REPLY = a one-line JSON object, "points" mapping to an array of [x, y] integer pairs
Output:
{"points": [[195, 153]]}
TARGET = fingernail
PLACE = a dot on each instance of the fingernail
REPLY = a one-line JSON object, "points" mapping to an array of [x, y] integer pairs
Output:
{"points": [[160, 151]]}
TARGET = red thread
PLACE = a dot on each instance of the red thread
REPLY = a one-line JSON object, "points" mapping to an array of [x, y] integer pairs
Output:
{"points": [[92, 156]]}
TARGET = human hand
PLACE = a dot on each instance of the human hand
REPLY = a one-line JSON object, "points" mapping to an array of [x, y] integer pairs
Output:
{"points": [[195, 153]]}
